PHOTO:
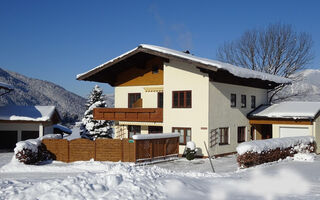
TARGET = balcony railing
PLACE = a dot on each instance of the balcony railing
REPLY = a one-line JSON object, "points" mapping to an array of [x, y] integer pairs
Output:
{"points": [[129, 114]]}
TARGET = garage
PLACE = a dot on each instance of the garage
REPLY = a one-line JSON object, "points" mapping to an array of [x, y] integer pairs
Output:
{"points": [[8, 140], [294, 131]]}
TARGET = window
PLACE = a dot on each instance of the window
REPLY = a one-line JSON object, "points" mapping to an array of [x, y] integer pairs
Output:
{"points": [[224, 136], [185, 134], [155, 70], [181, 99], [233, 100], [132, 99], [133, 130], [160, 100], [241, 134], [253, 101], [243, 101], [155, 129]]}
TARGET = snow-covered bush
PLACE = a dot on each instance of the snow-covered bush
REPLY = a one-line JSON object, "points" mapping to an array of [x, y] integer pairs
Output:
{"points": [[33, 151], [91, 128], [191, 150], [262, 151]]}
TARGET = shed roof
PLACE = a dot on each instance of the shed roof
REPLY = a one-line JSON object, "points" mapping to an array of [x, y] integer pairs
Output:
{"points": [[287, 110], [208, 64]]}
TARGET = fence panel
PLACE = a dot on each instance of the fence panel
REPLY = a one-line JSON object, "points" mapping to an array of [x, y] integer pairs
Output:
{"points": [[143, 149], [81, 149], [59, 148], [128, 150], [108, 150], [172, 146]]}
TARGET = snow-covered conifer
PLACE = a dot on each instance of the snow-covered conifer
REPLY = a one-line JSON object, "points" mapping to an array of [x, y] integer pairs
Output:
{"points": [[93, 129]]}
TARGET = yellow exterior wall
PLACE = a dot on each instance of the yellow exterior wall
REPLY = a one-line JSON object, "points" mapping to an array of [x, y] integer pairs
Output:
{"points": [[149, 99], [180, 76], [221, 114], [316, 133]]}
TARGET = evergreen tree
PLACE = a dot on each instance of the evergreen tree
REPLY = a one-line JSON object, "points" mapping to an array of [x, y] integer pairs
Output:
{"points": [[91, 128]]}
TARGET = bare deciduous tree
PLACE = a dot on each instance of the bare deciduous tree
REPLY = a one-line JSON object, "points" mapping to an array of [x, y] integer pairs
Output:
{"points": [[276, 49]]}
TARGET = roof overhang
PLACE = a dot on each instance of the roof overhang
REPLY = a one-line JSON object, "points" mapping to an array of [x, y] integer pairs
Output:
{"points": [[91, 75], [218, 70]]}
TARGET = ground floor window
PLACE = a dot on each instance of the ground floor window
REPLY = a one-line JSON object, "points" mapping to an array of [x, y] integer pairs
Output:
{"points": [[224, 136], [155, 129], [133, 130], [185, 134], [241, 134]]}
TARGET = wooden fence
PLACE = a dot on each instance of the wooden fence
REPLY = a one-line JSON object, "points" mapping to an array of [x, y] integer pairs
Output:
{"points": [[125, 150]]}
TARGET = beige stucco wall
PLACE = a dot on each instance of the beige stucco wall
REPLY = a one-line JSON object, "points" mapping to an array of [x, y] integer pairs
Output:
{"points": [[316, 133], [19, 127], [223, 115], [180, 76], [149, 99]]}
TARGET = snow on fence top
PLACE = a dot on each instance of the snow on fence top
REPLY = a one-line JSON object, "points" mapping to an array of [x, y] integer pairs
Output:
{"points": [[259, 146], [290, 109], [236, 71], [155, 136], [27, 113]]}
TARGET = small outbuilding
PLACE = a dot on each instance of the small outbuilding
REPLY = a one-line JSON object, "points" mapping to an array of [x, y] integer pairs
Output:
{"points": [[19, 123], [286, 119]]}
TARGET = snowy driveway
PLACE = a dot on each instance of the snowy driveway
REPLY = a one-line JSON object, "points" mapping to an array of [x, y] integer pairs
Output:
{"points": [[179, 179]]}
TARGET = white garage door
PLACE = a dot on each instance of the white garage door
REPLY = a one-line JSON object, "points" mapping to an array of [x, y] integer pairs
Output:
{"points": [[294, 131]]}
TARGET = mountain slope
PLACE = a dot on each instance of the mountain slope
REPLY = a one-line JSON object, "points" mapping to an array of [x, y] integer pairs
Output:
{"points": [[306, 88], [30, 91]]}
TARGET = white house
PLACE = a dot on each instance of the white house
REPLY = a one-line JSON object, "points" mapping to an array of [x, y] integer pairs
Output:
{"points": [[25, 122], [163, 90]]}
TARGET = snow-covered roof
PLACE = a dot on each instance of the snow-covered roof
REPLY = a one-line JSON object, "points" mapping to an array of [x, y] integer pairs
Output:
{"points": [[169, 53], [289, 109], [27, 113], [6, 86], [62, 128]]}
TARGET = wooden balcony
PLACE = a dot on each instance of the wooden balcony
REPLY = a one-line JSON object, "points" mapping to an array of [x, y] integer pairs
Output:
{"points": [[129, 114]]}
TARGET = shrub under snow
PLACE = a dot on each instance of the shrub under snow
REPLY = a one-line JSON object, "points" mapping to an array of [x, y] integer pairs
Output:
{"points": [[262, 151], [33, 151]]}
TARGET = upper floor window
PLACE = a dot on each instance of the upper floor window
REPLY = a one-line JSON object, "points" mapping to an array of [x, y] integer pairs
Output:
{"points": [[132, 100], [181, 99], [185, 134], [233, 100], [253, 101], [160, 99], [243, 101], [224, 136], [241, 134]]}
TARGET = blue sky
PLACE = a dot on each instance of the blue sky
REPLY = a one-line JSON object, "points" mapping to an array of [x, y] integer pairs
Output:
{"points": [[56, 40]]}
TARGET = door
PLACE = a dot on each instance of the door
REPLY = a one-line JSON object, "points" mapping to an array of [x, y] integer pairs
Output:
{"points": [[8, 139], [294, 131]]}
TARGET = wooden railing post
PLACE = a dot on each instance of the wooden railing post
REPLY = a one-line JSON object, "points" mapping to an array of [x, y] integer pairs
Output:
{"points": [[135, 151], [165, 147], [150, 148]]}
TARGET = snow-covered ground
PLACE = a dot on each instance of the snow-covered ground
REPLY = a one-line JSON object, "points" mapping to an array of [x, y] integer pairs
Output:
{"points": [[180, 179]]}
